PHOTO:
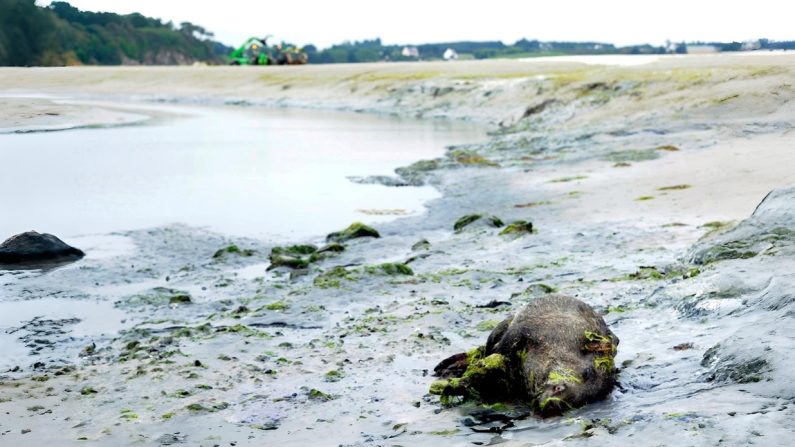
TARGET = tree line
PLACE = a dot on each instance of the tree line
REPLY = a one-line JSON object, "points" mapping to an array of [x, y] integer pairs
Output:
{"points": [[61, 34]]}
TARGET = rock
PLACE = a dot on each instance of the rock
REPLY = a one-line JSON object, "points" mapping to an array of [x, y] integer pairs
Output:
{"points": [[287, 261], [293, 256], [732, 364], [158, 296], [416, 173], [421, 245], [469, 219], [538, 108], [354, 231], [233, 250], [390, 269], [770, 229], [171, 439], [331, 248], [33, 248], [554, 354]]}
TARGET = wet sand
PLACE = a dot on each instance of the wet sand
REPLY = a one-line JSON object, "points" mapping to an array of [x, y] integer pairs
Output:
{"points": [[700, 302]]}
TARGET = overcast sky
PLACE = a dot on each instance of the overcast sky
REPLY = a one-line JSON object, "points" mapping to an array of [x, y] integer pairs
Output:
{"points": [[323, 23]]}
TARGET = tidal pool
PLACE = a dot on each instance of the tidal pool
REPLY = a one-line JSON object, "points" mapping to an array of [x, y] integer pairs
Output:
{"points": [[245, 171]]}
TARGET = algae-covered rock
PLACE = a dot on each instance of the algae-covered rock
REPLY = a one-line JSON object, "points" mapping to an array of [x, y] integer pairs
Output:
{"points": [[518, 228], [421, 245], [292, 262], [298, 257], [331, 248], [32, 248], [469, 219], [554, 354], [233, 250], [294, 250], [159, 296], [354, 231], [333, 277], [415, 173], [389, 268]]}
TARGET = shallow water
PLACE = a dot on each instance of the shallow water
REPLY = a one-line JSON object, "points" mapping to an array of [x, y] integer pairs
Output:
{"points": [[241, 171]]}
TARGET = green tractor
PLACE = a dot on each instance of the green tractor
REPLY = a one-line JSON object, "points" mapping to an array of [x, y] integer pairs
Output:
{"points": [[257, 52]]}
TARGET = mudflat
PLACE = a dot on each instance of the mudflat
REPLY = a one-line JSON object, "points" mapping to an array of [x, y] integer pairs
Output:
{"points": [[643, 184]]}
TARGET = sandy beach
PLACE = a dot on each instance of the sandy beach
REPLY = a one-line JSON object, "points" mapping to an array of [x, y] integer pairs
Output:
{"points": [[643, 182]]}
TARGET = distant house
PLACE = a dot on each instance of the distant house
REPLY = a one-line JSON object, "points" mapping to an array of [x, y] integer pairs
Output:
{"points": [[450, 54], [410, 52], [702, 49], [751, 45]]}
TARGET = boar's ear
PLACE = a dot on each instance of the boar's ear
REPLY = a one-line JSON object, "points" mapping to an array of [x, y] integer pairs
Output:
{"points": [[453, 366]]}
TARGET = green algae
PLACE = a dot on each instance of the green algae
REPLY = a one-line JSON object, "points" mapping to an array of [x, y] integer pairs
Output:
{"points": [[487, 325], [568, 179], [674, 187], [655, 274], [196, 407], [471, 158], [277, 306], [87, 391], [518, 227], [447, 432], [390, 269], [182, 298], [533, 204], [294, 250], [482, 373], [332, 278], [565, 375], [467, 220], [333, 247], [128, 414], [159, 296], [597, 337], [354, 231], [546, 402], [333, 376], [199, 408], [315, 394], [233, 250], [300, 256], [296, 263], [421, 245], [632, 155], [605, 363], [644, 198]]}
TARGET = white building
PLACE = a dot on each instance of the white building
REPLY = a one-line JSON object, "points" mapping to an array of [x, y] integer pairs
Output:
{"points": [[410, 52], [450, 54], [702, 49]]}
